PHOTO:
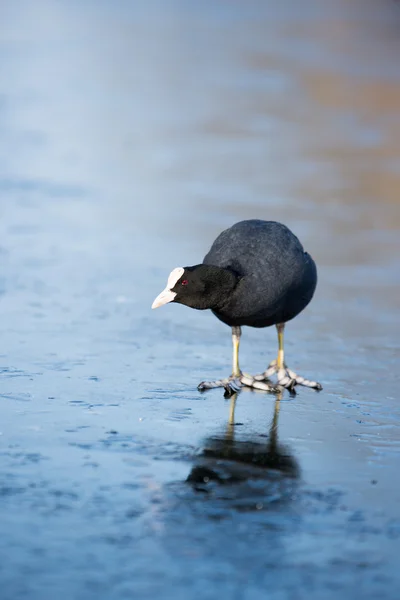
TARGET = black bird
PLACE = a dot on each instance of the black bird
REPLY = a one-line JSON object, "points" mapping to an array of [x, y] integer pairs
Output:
{"points": [[256, 274]]}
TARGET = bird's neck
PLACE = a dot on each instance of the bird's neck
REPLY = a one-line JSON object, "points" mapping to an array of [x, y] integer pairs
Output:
{"points": [[220, 283]]}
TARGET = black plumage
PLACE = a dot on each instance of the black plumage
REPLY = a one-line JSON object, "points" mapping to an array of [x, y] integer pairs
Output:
{"points": [[276, 279]]}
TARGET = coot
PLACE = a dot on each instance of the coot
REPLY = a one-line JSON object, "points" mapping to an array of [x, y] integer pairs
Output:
{"points": [[256, 274]]}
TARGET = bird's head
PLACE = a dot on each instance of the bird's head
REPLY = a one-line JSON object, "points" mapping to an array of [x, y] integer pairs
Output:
{"points": [[201, 287]]}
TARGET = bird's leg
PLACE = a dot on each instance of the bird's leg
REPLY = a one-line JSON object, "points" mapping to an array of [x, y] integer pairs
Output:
{"points": [[233, 383], [285, 376], [236, 333], [237, 374]]}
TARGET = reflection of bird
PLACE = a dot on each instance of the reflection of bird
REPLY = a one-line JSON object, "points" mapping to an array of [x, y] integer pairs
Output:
{"points": [[255, 274], [226, 460]]}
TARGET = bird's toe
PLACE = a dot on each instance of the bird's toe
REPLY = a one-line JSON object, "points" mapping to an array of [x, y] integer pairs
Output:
{"points": [[259, 383], [231, 384], [299, 380], [285, 378]]}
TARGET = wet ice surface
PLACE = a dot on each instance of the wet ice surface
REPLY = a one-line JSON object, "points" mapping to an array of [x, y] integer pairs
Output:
{"points": [[118, 478]]}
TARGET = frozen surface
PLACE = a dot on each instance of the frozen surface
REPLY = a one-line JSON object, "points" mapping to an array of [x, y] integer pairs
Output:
{"points": [[130, 135]]}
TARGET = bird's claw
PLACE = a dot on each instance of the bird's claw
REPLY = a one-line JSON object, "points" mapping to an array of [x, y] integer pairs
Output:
{"points": [[231, 384], [234, 383], [286, 378], [259, 384], [232, 387]]}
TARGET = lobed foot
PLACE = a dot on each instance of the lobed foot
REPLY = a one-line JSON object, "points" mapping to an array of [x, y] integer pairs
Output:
{"points": [[233, 384], [286, 377]]}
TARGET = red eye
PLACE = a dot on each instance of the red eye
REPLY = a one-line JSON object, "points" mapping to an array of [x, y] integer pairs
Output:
{"points": [[185, 282]]}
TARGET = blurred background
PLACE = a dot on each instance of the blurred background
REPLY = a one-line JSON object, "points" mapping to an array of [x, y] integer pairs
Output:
{"points": [[131, 134]]}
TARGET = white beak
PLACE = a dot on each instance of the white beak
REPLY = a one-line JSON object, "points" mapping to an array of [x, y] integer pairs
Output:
{"points": [[166, 296]]}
